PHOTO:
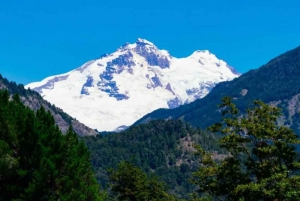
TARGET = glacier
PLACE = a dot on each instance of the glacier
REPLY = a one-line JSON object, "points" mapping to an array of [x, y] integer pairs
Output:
{"points": [[117, 89]]}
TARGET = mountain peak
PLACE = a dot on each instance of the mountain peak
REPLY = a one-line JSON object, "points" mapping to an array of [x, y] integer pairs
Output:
{"points": [[144, 41], [138, 43], [202, 53], [131, 82]]}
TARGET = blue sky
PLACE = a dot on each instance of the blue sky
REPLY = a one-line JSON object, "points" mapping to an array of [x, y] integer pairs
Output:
{"points": [[43, 38]]}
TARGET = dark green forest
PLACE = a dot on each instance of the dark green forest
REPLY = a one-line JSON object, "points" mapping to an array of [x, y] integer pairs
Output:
{"points": [[161, 147], [37, 162]]}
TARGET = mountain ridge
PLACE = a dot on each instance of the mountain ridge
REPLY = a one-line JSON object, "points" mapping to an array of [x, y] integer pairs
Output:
{"points": [[276, 82]]}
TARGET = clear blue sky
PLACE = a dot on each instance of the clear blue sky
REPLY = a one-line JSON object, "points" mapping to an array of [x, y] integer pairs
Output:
{"points": [[39, 38]]}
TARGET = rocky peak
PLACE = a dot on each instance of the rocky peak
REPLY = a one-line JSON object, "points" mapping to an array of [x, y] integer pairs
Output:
{"points": [[149, 51], [141, 41], [203, 54]]}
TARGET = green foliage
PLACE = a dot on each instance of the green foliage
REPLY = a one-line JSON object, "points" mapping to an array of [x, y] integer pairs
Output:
{"points": [[131, 183], [262, 162], [37, 162], [163, 147]]}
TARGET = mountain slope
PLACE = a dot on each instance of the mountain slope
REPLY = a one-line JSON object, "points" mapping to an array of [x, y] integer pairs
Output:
{"points": [[118, 89], [276, 82], [34, 101], [162, 147]]}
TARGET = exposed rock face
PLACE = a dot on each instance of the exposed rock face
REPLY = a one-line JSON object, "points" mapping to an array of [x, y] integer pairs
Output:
{"points": [[151, 56], [244, 92], [116, 66], [294, 105], [89, 83], [169, 88], [174, 103], [156, 82], [198, 92], [50, 83], [122, 62]]}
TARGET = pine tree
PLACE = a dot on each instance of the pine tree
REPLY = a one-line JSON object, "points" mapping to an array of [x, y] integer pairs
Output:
{"points": [[131, 183], [76, 180], [37, 162]]}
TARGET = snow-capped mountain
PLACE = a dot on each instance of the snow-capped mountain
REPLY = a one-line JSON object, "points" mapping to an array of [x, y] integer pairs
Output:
{"points": [[119, 88]]}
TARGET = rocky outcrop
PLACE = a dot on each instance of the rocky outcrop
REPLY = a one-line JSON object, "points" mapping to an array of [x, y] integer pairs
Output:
{"points": [[148, 52]]}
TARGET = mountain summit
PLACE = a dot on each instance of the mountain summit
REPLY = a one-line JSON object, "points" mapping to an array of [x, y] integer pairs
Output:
{"points": [[119, 88]]}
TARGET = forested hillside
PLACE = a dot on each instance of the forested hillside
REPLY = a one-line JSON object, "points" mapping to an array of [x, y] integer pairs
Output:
{"points": [[276, 83], [162, 147], [37, 162], [34, 101]]}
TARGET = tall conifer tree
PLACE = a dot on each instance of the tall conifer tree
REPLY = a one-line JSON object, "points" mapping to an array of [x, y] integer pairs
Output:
{"points": [[37, 162]]}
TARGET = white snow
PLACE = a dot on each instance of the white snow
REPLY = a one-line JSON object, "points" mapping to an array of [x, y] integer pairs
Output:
{"points": [[198, 72], [145, 41]]}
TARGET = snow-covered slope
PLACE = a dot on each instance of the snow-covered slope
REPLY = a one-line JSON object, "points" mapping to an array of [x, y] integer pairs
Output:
{"points": [[118, 89]]}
